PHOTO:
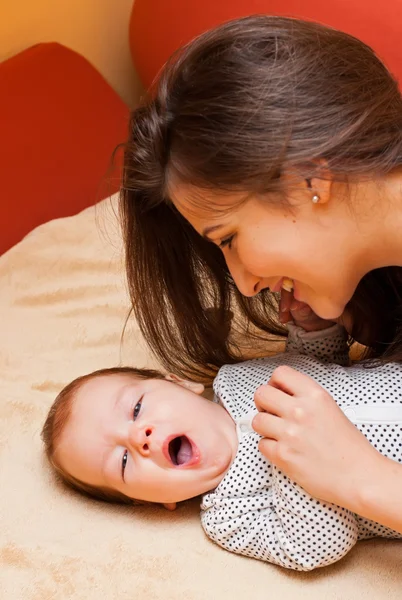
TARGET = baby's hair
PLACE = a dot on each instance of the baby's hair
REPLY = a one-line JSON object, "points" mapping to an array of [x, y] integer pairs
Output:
{"points": [[58, 417]]}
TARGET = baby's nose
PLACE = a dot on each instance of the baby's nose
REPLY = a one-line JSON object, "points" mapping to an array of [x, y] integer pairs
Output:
{"points": [[140, 438]]}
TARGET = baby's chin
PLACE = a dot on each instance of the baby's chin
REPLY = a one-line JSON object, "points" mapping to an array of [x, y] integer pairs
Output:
{"points": [[221, 466], [211, 478]]}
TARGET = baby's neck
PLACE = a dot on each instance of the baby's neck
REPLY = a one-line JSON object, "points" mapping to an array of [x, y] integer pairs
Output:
{"points": [[229, 436]]}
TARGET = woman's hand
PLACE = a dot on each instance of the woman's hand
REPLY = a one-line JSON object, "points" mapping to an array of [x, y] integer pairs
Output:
{"points": [[307, 436]]}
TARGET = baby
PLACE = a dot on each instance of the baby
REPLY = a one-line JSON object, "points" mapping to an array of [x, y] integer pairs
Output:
{"points": [[128, 434]]}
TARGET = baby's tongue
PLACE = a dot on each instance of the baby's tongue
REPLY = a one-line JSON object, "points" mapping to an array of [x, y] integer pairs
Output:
{"points": [[185, 452]]}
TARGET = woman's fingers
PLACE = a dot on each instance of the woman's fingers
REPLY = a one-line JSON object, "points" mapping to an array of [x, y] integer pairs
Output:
{"points": [[269, 448], [270, 399], [276, 396], [292, 382], [267, 425]]}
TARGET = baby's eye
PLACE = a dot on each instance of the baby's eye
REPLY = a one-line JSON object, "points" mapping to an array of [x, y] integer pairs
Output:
{"points": [[137, 409], [124, 463]]}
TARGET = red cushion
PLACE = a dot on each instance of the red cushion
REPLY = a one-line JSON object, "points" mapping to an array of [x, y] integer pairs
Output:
{"points": [[60, 124], [159, 27]]}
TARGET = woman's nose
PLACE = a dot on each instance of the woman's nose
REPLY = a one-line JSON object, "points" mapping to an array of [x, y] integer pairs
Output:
{"points": [[140, 438], [247, 283]]}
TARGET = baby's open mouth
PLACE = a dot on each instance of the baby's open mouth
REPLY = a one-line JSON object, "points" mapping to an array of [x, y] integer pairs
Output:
{"points": [[180, 450]]}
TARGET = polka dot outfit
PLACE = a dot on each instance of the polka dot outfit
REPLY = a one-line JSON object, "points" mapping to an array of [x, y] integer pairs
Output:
{"points": [[259, 512]]}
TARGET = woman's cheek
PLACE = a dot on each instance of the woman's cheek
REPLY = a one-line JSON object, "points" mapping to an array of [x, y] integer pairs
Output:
{"points": [[257, 257]]}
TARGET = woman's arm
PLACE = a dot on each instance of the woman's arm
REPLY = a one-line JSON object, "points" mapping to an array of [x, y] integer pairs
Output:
{"points": [[307, 436], [380, 498]]}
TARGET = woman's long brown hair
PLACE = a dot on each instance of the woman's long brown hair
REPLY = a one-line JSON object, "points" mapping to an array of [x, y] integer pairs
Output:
{"points": [[231, 111]]}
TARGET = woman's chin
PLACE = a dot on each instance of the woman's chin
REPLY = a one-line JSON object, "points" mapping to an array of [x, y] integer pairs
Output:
{"points": [[328, 310]]}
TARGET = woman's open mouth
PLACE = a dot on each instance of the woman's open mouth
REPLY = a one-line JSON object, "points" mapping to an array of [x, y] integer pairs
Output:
{"points": [[181, 451]]}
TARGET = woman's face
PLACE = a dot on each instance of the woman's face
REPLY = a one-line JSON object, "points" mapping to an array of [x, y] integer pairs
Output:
{"points": [[318, 246]]}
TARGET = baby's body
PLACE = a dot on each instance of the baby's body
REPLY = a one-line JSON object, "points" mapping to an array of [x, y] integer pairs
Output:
{"points": [[129, 434], [256, 510]]}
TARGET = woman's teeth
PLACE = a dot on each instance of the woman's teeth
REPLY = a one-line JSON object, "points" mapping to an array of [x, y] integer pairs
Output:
{"points": [[287, 284]]}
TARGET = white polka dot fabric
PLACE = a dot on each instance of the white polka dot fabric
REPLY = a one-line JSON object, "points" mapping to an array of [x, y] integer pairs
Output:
{"points": [[256, 510]]}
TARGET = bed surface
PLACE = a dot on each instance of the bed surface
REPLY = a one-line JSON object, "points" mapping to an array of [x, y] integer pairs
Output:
{"points": [[62, 307]]}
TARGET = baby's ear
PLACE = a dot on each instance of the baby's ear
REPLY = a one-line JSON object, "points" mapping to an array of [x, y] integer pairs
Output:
{"points": [[170, 506], [197, 388]]}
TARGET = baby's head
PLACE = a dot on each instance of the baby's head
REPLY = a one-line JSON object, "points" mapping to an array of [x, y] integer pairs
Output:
{"points": [[125, 434]]}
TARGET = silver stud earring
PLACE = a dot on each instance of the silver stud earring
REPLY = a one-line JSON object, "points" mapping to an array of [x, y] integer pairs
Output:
{"points": [[315, 199]]}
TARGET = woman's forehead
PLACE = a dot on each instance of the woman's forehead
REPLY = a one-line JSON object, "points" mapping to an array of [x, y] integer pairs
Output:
{"points": [[205, 203]]}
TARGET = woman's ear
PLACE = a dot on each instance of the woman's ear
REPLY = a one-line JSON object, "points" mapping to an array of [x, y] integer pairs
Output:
{"points": [[192, 386], [320, 189], [321, 186], [170, 506]]}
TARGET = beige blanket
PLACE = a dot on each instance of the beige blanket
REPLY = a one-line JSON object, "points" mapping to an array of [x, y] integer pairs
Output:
{"points": [[62, 308]]}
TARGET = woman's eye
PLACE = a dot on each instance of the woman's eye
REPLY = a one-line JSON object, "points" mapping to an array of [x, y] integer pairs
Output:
{"points": [[124, 463], [227, 242], [137, 409]]}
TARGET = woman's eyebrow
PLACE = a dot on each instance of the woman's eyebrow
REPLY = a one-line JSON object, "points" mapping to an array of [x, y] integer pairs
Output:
{"points": [[208, 230]]}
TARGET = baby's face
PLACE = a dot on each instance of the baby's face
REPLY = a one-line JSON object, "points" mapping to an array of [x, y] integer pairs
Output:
{"points": [[152, 440]]}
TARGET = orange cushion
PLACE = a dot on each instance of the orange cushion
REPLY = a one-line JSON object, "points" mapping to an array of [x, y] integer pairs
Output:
{"points": [[60, 124], [159, 27]]}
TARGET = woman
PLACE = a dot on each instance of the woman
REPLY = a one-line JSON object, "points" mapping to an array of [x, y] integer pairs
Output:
{"points": [[271, 148]]}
